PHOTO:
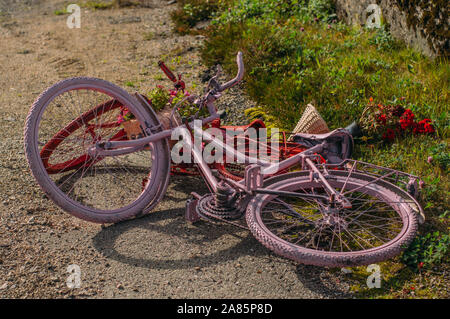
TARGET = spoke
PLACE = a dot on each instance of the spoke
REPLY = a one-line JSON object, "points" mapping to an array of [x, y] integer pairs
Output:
{"points": [[370, 226], [304, 236], [320, 235], [368, 183], [356, 239], [383, 239], [348, 177], [332, 238]]}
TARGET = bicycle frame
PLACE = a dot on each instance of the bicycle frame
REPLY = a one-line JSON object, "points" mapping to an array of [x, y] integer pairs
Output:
{"points": [[253, 179]]}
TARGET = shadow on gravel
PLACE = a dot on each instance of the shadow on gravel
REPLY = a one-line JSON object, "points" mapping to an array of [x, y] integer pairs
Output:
{"points": [[172, 223], [322, 281]]}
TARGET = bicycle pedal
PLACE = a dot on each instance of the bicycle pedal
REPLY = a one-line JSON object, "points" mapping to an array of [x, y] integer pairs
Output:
{"points": [[191, 214]]}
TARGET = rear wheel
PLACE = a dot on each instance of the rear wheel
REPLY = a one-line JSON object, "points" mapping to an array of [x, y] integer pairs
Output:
{"points": [[380, 223], [103, 190]]}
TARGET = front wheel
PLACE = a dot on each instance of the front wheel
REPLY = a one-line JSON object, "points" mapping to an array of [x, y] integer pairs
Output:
{"points": [[382, 221], [67, 120]]}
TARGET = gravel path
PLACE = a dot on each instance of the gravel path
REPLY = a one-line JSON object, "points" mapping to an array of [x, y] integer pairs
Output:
{"points": [[159, 256]]}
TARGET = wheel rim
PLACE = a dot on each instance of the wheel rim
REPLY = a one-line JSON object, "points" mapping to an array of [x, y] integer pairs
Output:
{"points": [[89, 130], [101, 185]]}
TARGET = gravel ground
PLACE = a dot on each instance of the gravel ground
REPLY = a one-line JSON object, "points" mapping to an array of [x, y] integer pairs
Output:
{"points": [[158, 256]]}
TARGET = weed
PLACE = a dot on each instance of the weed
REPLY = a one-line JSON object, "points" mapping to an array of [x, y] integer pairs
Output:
{"points": [[97, 5], [427, 250], [130, 84], [440, 155], [149, 36], [60, 12], [382, 39]]}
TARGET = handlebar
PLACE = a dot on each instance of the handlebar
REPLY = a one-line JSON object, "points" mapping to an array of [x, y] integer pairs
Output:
{"points": [[240, 75]]}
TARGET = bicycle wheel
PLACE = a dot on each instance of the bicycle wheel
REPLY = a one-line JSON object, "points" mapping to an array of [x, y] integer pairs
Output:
{"points": [[102, 190], [382, 220]]}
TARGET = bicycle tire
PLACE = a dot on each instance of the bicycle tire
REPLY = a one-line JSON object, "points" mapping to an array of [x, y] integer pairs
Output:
{"points": [[404, 206], [157, 177]]}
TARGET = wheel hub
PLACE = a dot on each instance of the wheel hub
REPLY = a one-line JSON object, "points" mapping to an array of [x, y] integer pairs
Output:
{"points": [[332, 219]]}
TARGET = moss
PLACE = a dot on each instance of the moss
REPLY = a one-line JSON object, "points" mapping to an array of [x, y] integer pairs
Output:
{"points": [[432, 22]]}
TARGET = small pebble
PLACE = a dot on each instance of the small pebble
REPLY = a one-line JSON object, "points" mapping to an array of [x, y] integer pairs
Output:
{"points": [[346, 271]]}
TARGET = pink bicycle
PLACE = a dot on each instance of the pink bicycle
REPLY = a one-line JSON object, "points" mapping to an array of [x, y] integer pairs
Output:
{"points": [[340, 212]]}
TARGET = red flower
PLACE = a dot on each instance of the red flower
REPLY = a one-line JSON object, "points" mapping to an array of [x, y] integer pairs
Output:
{"points": [[424, 126], [407, 119], [420, 265], [389, 135], [382, 119]]}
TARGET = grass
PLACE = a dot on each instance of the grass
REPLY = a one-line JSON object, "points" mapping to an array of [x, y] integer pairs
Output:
{"points": [[297, 52], [130, 84], [60, 12], [98, 5], [147, 36]]}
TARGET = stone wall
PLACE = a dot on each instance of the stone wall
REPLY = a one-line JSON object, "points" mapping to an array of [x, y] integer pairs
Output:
{"points": [[422, 24]]}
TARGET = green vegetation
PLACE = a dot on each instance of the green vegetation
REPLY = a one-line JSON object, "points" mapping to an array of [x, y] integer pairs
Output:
{"points": [[427, 250], [148, 36], [60, 12], [130, 84], [103, 5], [191, 12], [296, 52], [98, 5]]}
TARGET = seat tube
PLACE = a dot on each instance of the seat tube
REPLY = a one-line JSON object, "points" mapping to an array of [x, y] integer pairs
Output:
{"points": [[197, 155]]}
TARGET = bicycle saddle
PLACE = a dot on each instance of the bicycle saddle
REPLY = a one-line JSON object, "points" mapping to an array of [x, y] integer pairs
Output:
{"points": [[338, 144]]}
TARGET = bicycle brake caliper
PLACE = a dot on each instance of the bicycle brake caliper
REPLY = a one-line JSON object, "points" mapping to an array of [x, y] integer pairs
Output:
{"points": [[253, 177]]}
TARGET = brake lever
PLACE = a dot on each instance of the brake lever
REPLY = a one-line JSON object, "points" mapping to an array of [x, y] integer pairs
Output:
{"points": [[214, 84]]}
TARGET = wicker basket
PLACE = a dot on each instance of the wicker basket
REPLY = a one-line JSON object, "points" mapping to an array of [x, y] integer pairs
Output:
{"points": [[311, 122]]}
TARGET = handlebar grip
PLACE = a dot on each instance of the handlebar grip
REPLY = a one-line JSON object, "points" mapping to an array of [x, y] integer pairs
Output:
{"points": [[240, 75], [167, 71]]}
